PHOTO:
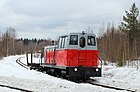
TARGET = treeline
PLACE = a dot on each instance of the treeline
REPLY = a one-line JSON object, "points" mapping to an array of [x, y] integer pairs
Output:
{"points": [[122, 44], [7, 42], [9, 45]]}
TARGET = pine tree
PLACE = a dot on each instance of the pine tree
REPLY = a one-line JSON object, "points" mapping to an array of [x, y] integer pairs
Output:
{"points": [[130, 22], [130, 26]]}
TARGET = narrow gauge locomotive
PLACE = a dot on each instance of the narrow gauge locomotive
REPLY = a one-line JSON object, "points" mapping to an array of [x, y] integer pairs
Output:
{"points": [[75, 57]]}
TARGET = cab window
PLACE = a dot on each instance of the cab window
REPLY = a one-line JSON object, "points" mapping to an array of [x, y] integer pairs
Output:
{"points": [[73, 40], [91, 41], [82, 42], [62, 42]]}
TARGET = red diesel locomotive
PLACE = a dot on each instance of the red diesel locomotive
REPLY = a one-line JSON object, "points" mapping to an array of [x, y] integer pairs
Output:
{"points": [[75, 57]]}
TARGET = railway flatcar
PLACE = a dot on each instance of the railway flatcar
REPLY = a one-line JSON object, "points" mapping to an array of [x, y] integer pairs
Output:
{"points": [[75, 56]]}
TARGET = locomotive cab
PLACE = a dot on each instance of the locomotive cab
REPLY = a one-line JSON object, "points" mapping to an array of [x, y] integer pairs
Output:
{"points": [[80, 49], [76, 56], [79, 41]]}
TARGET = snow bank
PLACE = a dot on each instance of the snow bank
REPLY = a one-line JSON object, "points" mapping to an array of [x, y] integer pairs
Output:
{"points": [[121, 76]]}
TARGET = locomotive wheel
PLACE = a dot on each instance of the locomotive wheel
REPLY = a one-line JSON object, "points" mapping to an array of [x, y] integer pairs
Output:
{"points": [[74, 79], [86, 76], [56, 72], [40, 69], [85, 79]]}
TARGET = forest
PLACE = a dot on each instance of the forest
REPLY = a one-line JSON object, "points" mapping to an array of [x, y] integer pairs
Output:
{"points": [[10, 45], [122, 44], [117, 44]]}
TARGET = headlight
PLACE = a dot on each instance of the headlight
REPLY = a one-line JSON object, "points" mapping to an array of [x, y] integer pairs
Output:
{"points": [[97, 69], [75, 69]]}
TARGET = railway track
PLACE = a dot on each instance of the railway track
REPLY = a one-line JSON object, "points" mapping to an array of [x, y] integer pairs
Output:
{"points": [[22, 64], [91, 81], [15, 88]]}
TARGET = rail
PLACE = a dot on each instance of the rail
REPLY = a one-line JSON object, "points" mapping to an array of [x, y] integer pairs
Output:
{"points": [[22, 64], [109, 86], [20, 89]]}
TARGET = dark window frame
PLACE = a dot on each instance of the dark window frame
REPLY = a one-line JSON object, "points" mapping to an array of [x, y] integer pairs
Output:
{"points": [[82, 42], [92, 43], [73, 42]]}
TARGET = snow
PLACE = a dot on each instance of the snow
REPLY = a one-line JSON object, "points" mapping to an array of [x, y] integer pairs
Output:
{"points": [[14, 75], [126, 77]]}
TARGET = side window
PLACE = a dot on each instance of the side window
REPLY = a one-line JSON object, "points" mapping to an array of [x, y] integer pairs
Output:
{"points": [[91, 41], [73, 40], [63, 42], [82, 42], [65, 45], [60, 41]]}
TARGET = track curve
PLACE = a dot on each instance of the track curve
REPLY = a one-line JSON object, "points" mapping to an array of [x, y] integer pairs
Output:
{"points": [[22, 64]]}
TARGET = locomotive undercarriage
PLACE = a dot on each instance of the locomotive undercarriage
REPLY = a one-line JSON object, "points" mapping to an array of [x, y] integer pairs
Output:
{"points": [[71, 73]]}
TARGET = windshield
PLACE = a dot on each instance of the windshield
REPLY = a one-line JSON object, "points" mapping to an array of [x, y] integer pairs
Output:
{"points": [[73, 40], [91, 41]]}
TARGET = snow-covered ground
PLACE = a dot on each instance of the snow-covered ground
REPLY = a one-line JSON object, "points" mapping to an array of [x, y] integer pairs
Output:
{"points": [[14, 75], [121, 76]]}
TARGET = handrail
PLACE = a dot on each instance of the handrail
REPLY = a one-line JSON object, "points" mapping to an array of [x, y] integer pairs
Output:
{"points": [[98, 58]]}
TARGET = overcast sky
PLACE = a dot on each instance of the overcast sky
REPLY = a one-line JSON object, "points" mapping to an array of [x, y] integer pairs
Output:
{"points": [[51, 18]]}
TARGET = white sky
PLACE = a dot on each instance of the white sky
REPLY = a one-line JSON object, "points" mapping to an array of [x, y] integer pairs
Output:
{"points": [[51, 18]]}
